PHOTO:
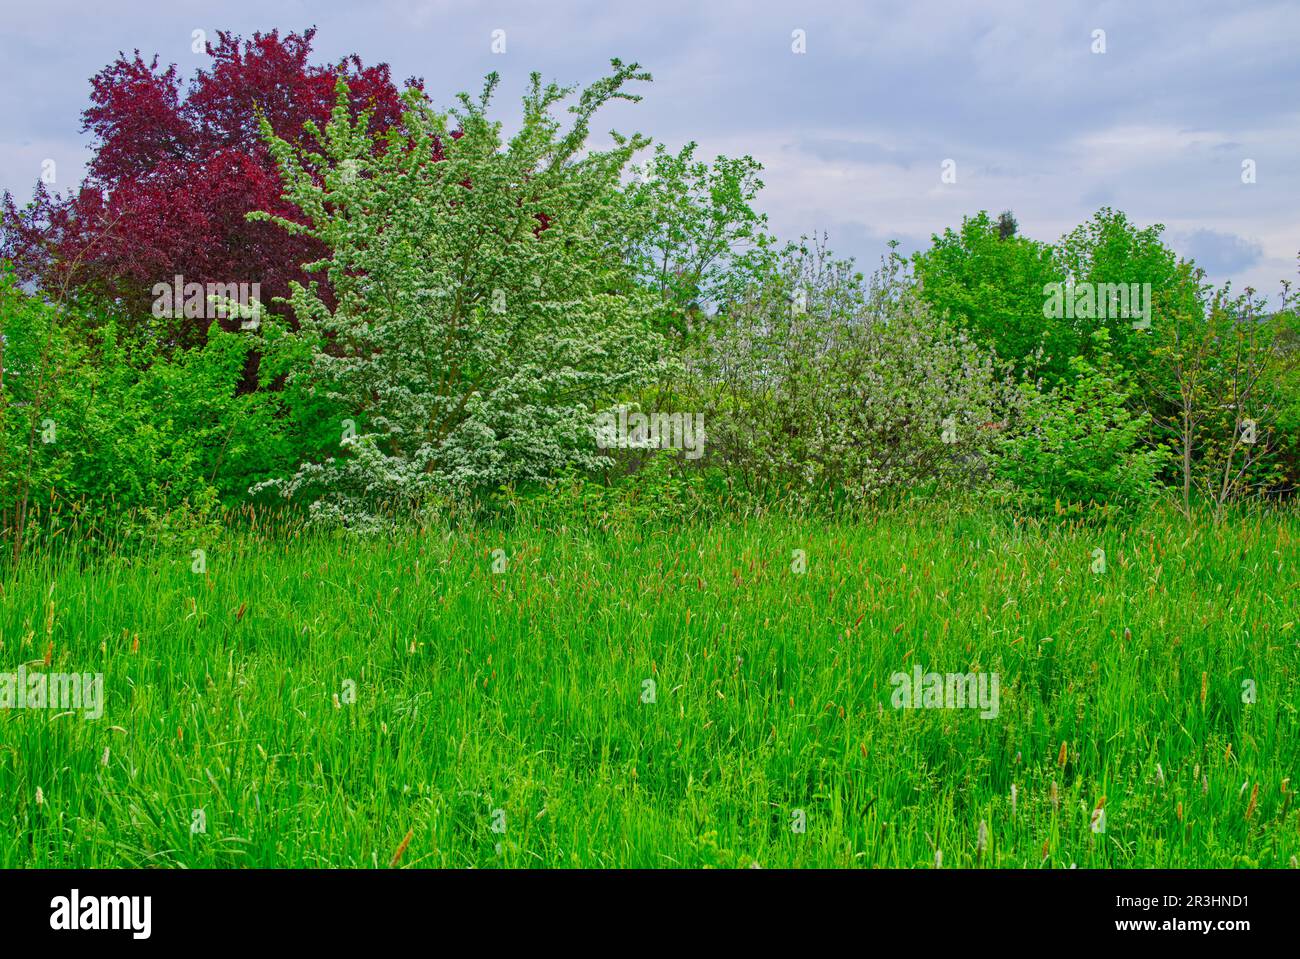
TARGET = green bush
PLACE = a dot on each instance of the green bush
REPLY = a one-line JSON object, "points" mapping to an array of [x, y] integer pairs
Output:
{"points": [[87, 420], [1078, 445]]}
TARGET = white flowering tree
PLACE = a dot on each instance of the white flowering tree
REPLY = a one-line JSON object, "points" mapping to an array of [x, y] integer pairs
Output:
{"points": [[824, 385], [477, 315]]}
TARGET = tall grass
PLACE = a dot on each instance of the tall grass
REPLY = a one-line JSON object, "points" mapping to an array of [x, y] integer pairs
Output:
{"points": [[501, 718]]}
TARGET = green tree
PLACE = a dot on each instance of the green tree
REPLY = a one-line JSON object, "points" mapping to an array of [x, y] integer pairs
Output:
{"points": [[1221, 384], [693, 234], [1108, 252], [990, 281]]}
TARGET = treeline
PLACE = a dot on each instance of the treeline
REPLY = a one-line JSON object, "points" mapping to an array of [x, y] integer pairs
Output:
{"points": [[297, 286]]}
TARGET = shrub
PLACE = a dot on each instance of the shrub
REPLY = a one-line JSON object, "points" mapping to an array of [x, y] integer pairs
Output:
{"points": [[823, 387], [85, 419], [1078, 444], [659, 494]]}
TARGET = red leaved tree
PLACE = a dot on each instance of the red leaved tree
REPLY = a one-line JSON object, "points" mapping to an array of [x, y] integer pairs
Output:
{"points": [[176, 168]]}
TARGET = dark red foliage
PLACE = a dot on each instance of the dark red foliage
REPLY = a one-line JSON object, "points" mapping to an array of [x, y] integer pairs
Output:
{"points": [[175, 171]]}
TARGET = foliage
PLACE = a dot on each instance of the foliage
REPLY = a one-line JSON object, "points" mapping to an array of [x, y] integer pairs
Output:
{"points": [[694, 236], [481, 315], [1220, 385], [463, 306], [1109, 250], [659, 494], [88, 420], [990, 281], [174, 171], [1078, 444], [822, 385]]}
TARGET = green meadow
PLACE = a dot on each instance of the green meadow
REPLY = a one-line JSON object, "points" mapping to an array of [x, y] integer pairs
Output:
{"points": [[533, 695]]}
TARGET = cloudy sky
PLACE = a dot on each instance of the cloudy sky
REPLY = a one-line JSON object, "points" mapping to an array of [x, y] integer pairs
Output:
{"points": [[853, 133]]}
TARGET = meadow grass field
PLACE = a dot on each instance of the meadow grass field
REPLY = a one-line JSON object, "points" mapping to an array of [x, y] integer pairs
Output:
{"points": [[664, 697]]}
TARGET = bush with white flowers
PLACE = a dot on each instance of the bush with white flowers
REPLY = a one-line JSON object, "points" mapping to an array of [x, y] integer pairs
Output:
{"points": [[477, 318]]}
